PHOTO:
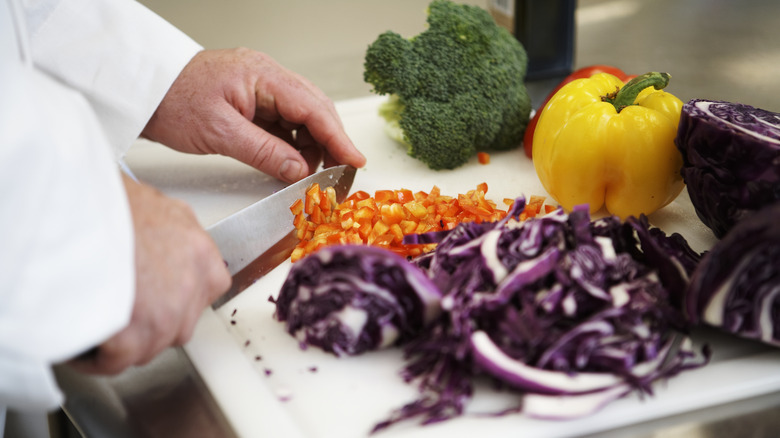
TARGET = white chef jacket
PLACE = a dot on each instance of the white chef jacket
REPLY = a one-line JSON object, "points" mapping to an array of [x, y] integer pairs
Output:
{"points": [[79, 79]]}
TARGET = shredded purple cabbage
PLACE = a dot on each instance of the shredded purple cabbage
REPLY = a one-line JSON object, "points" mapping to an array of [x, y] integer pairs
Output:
{"points": [[552, 306], [737, 284], [354, 298]]}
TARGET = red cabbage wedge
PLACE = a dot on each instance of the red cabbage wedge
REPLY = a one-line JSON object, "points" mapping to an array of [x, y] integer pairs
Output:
{"points": [[736, 286], [731, 160]]}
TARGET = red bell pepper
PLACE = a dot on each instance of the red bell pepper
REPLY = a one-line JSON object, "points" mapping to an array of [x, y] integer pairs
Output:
{"points": [[584, 72]]}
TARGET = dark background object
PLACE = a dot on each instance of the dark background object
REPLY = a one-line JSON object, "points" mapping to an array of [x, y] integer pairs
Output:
{"points": [[546, 28]]}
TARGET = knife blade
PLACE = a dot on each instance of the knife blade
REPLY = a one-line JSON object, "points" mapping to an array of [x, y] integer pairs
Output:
{"points": [[260, 237]]}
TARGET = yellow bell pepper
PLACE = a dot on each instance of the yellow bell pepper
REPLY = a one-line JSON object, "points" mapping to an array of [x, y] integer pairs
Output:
{"points": [[601, 143]]}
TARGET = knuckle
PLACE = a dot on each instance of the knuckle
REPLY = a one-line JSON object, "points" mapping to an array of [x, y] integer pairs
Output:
{"points": [[261, 156]]}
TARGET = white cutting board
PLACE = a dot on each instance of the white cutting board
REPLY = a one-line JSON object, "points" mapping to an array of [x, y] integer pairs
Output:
{"points": [[268, 386]]}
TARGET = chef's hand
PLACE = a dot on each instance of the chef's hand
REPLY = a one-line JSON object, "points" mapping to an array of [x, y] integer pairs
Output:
{"points": [[243, 104], [179, 271]]}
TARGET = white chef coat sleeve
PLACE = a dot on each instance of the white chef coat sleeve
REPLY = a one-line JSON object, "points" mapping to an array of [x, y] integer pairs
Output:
{"points": [[67, 251], [119, 54]]}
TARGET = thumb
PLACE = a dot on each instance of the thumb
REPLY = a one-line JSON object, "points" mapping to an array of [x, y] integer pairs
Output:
{"points": [[264, 151]]}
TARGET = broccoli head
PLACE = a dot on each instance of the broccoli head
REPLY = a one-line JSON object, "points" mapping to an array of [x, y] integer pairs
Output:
{"points": [[456, 88]]}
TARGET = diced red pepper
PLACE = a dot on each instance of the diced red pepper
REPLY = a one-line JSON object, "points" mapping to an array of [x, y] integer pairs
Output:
{"points": [[384, 219]]}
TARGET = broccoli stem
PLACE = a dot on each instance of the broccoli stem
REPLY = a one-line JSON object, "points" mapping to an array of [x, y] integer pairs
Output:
{"points": [[626, 95]]}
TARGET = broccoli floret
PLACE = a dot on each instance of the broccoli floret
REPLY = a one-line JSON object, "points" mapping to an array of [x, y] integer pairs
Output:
{"points": [[456, 88]]}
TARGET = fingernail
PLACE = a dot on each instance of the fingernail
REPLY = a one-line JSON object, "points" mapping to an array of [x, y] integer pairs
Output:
{"points": [[291, 170]]}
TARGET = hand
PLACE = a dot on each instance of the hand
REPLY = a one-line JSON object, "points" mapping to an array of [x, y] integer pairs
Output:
{"points": [[243, 104], [179, 271]]}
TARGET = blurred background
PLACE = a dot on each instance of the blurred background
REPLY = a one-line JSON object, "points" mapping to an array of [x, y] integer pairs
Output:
{"points": [[324, 41], [718, 49]]}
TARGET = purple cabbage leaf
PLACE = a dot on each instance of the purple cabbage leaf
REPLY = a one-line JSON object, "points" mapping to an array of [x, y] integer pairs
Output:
{"points": [[737, 284], [731, 160]]}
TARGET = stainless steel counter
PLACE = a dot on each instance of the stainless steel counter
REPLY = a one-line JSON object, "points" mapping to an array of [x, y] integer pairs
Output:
{"points": [[716, 49]]}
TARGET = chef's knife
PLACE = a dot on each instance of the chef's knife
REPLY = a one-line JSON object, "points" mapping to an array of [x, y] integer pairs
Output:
{"points": [[258, 238]]}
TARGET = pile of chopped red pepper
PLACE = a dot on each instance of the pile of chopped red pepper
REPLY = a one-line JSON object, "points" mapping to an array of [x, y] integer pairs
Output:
{"points": [[384, 219]]}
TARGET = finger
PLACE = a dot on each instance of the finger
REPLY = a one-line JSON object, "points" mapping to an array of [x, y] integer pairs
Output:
{"points": [[115, 355], [288, 80], [219, 280], [312, 152], [329, 161], [319, 94], [262, 150], [280, 132], [296, 103], [189, 322], [220, 284], [302, 141]]}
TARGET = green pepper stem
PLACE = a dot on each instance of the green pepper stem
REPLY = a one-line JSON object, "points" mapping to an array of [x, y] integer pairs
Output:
{"points": [[626, 95]]}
